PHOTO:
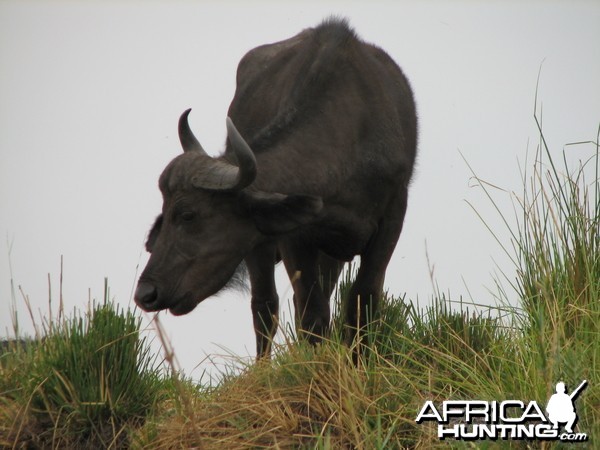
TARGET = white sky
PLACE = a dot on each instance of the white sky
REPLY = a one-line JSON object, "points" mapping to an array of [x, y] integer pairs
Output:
{"points": [[90, 94]]}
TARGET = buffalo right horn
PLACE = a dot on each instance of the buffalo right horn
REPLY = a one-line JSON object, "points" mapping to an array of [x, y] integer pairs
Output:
{"points": [[245, 157], [220, 175], [186, 137]]}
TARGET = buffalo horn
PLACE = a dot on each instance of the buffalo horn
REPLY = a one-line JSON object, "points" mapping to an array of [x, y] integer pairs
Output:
{"points": [[220, 175], [244, 155], [186, 137]]}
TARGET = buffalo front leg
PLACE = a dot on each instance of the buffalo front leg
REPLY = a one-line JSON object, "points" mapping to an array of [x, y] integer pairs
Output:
{"points": [[329, 272], [312, 305], [363, 301], [265, 301]]}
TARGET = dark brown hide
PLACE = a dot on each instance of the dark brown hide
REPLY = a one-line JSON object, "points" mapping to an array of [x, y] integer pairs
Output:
{"points": [[316, 171]]}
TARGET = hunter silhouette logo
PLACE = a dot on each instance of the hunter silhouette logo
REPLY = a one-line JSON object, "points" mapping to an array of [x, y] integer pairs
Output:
{"points": [[508, 419], [561, 406]]}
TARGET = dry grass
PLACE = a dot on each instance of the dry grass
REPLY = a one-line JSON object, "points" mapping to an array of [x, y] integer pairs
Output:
{"points": [[307, 398]]}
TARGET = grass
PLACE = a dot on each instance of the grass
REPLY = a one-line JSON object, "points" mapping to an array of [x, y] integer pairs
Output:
{"points": [[319, 398], [90, 381], [83, 385]]}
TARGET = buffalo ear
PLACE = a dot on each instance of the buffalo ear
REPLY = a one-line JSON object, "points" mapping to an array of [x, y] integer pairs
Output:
{"points": [[275, 213]]}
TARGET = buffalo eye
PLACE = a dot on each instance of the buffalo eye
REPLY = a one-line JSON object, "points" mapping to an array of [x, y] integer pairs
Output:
{"points": [[188, 216]]}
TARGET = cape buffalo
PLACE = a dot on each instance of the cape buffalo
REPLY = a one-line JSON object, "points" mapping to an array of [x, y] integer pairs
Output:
{"points": [[315, 171]]}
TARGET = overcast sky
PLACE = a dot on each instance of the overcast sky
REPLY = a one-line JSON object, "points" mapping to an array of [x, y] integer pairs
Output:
{"points": [[90, 94]]}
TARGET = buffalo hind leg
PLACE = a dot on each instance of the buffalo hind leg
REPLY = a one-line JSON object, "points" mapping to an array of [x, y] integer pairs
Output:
{"points": [[265, 301], [311, 304], [363, 302]]}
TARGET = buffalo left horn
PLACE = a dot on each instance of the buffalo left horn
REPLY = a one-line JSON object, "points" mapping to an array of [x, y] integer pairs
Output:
{"points": [[220, 175], [186, 137]]}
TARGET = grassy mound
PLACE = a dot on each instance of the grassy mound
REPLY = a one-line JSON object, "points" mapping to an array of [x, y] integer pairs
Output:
{"points": [[84, 385], [90, 382]]}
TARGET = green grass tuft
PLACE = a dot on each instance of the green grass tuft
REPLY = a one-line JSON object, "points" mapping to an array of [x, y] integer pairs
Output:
{"points": [[82, 385]]}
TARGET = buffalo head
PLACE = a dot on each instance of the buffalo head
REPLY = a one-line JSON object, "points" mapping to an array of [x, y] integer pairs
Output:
{"points": [[212, 217]]}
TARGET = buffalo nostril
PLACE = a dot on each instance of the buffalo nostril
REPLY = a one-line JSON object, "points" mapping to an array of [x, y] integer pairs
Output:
{"points": [[146, 296]]}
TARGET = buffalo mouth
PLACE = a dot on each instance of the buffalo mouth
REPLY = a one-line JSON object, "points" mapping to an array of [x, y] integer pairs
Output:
{"points": [[148, 299], [184, 305], [146, 296]]}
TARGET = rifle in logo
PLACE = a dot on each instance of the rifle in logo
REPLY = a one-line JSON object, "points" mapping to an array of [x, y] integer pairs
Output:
{"points": [[561, 407]]}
